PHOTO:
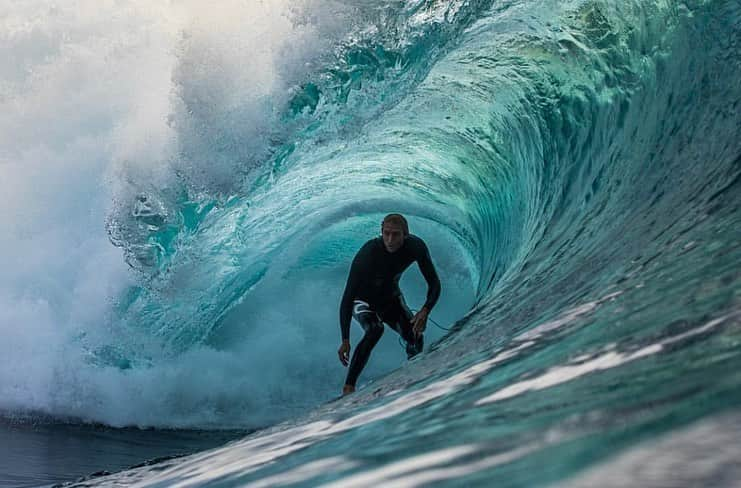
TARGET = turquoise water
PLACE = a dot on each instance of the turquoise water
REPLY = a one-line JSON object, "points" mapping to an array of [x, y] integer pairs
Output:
{"points": [[575, 168]]}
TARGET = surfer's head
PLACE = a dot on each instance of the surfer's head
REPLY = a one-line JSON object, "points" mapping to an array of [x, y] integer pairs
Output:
{"points": [[394, 229]]}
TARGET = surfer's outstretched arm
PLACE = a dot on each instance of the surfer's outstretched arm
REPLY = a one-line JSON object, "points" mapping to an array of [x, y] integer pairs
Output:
{"points": [[424, 261], [347, 299]]}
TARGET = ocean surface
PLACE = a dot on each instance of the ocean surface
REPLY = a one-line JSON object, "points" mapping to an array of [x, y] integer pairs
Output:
{"points": [[184, 186]]}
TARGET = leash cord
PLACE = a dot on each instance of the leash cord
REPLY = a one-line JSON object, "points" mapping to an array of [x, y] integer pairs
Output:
{"points": [[401, 341]]}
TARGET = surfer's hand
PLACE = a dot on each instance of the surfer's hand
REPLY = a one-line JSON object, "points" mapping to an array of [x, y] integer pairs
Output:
{"points": [[344, 352], [419, 321]]}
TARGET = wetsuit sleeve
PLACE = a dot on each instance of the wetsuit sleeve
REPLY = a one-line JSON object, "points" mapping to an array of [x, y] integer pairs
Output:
{"points": [[428, 271], [353, 281]]}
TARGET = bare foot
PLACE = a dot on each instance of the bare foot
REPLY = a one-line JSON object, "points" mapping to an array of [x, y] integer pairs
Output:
{"points": [[347, 389]]}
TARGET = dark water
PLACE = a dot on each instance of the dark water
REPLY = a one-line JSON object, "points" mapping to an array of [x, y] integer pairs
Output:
{"points": [[34, 453]]}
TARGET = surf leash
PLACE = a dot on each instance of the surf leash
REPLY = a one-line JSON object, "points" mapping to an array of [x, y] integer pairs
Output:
{"points": [[401, 341], [433, 321]]}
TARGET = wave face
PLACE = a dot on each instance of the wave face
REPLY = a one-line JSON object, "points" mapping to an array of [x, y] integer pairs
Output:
{"points": [[574, 166]]}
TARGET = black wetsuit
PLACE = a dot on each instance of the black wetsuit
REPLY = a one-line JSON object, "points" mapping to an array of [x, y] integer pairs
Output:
{"points": [[372, 296]]}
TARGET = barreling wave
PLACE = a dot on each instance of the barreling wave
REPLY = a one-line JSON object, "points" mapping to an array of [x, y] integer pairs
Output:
{"points": [[533, 135], [576, 163]]}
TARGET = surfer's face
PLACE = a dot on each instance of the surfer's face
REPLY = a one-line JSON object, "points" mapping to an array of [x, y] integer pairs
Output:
{"points": [[393, 236]]}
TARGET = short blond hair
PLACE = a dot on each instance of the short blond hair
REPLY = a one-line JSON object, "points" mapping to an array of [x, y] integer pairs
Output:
{"points": [[396, 219]]}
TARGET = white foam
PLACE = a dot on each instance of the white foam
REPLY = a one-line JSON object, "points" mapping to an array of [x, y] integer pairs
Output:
{"points": [[611, 359], [95, 98]]}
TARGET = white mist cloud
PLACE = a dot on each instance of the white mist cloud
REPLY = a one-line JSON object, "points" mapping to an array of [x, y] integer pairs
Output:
{"points": [[97, 99]]}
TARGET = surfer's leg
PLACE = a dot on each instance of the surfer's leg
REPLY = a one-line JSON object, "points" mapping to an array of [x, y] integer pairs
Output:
{"points": [[399, 317], [373, 327]]}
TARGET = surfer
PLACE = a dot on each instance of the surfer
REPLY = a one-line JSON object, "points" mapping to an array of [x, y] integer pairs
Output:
{"points": [[372, 295]]}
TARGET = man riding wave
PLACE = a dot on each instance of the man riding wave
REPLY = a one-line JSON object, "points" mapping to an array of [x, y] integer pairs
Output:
{"points": [[372, 295]]}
